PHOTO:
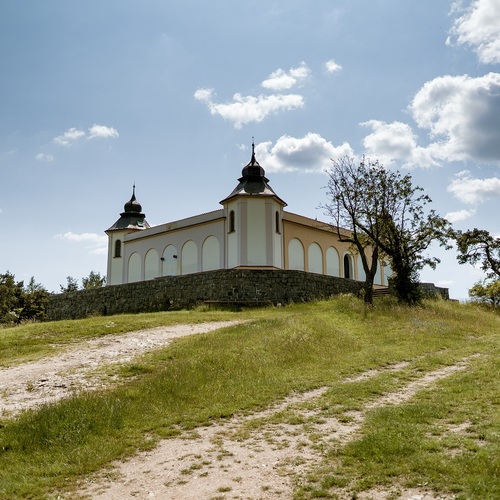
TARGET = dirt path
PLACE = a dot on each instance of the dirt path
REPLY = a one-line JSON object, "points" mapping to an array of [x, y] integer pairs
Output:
{"points": [[55, 377], [249, 457]]}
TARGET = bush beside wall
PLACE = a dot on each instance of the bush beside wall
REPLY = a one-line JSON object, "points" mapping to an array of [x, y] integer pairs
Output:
{"points": [[239, 286]]}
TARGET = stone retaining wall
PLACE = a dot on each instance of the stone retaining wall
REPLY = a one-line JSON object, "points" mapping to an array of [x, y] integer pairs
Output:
{"points": [[245, 286]]}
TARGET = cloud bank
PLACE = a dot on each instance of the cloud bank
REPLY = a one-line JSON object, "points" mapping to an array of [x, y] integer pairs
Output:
{"points": [[311, 153], [479, 28]]}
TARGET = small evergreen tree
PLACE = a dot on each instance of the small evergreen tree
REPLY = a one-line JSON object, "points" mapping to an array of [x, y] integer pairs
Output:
{"points": [[71, 285], [93, 280]]}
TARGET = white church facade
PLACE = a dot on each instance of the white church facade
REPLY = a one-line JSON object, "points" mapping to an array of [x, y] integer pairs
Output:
{"points": [[252, 230]]}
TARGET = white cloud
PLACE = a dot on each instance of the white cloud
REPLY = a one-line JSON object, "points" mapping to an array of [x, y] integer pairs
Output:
{"points": [[94, 132], [395, 142], [247, 109], [473, 191], [461, 116], [70, 136], [281, 80], [45, 157], [96, 244], [102, 132], [311, 153], [479, 28], [459, 215], [332, 67]]}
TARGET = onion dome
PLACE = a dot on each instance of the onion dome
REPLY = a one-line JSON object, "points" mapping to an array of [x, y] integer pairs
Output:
{"points": [[132, 216], [132, 206], [253, 181]]}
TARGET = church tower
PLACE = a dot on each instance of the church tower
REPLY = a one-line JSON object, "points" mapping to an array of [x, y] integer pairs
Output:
{"points": [[131, 220], [254, 221]]}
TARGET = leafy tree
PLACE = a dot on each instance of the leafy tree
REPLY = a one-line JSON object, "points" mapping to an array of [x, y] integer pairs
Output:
{"points": [[477, 245], [19, 303], [71, 285], [355, 206], [34, 302], [93, 280], [383, 209], [10, 292], [487, 293]]}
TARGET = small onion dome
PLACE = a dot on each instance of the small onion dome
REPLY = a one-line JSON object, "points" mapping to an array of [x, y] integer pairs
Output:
{"points": [[132, 206], [253, 169]]}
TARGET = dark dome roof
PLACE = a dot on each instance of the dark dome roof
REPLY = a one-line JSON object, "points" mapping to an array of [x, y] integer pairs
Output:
{"points": [[132, 206]]}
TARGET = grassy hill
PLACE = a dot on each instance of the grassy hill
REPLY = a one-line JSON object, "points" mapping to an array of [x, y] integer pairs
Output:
{"points": [[273, 352]]}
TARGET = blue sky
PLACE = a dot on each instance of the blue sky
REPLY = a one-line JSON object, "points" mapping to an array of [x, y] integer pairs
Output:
{"points": [[96, 96]]}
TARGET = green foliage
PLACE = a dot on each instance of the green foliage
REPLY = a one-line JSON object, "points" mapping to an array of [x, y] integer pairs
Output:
{"points": [[384, 211], [93, 280], [71, 285], [477, 245], [18, 302], [487, 293]]}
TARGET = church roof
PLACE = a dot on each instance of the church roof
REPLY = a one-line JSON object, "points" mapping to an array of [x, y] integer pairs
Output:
{"points": [[253, 182], [132, 216]]}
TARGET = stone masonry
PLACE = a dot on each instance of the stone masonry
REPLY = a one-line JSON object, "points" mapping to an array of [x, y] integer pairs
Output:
{"points": [[225, 286]]}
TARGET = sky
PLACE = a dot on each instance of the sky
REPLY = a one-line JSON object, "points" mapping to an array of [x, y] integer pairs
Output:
{"points": [[98, 96]]}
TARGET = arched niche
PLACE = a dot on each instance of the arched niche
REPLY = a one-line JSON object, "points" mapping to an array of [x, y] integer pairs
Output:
{"points": [[315, 259], [170, 261], [189, 258], [332, 262], [151, 264], [134, 268], [210, 254], [296, 255]]}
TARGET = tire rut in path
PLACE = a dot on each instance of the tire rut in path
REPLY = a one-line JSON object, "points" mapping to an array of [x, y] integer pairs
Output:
{"points": [[230, 460]]}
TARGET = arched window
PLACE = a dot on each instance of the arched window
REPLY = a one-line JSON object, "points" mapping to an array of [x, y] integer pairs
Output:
{"points": [[231, 222], [277, 221], [118, 248], [348, 267]]}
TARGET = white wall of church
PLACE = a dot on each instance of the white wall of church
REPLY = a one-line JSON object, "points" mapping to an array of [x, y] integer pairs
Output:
{"points": [[115, 263], [151, 246], [256, 233]]}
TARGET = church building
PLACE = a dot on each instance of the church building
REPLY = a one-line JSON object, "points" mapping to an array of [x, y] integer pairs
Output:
{"points": [[252, 230]]}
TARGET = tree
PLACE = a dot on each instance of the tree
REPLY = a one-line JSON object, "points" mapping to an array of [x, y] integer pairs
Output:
{"points": [[354, 206], [487, 293], [383, 210], [34, 302], [10, 293], [19, 303], [71, 285], [477, 245], [93, 280]]}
